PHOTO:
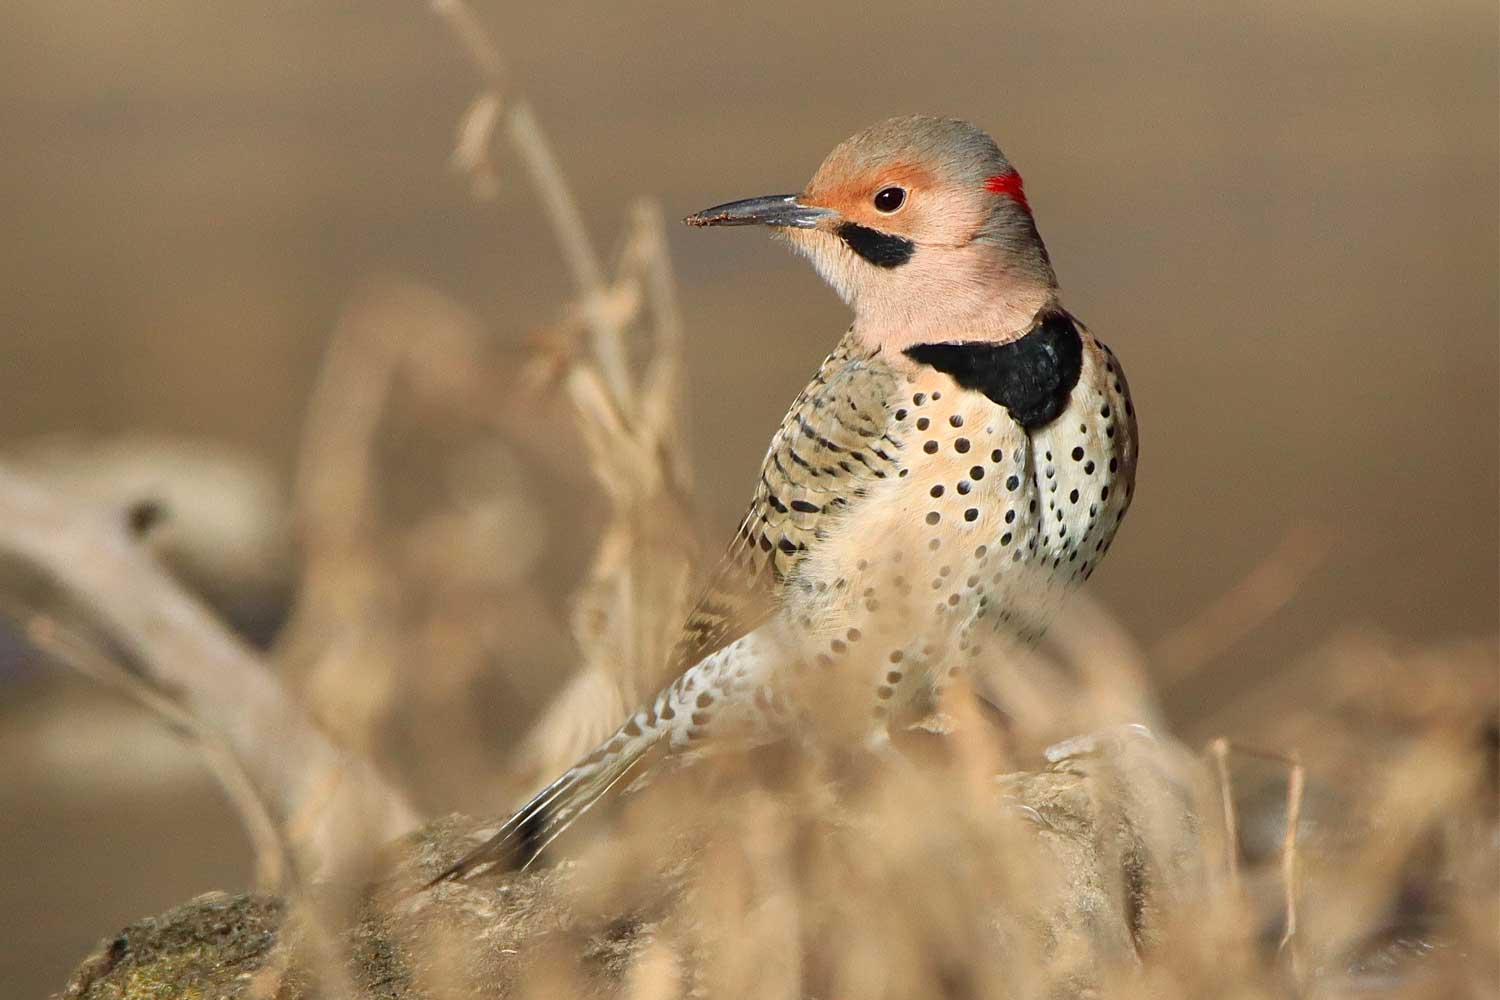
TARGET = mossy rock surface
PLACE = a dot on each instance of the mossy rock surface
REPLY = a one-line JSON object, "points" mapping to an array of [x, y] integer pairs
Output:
{"points": [[485, 935], [210, 947]]}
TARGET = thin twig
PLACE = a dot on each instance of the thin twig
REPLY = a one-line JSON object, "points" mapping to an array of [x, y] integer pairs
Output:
{"points": [[55, 640], [1219, 750], [535, 152], [474, 39], [562, 208], [1294, 789], [567, 224]]}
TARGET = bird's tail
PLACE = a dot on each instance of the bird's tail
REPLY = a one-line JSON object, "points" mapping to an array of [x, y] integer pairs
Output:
{"points": [[528, 832]]}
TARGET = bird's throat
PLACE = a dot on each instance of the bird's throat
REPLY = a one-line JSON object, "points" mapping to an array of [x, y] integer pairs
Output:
{"points": [[944, 311]]}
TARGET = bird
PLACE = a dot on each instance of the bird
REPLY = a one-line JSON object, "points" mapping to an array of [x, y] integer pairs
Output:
{"points": [[960, 460]]}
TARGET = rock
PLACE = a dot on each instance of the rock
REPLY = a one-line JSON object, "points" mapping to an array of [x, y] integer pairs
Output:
{"points": [[209, 946], [763, 890]]}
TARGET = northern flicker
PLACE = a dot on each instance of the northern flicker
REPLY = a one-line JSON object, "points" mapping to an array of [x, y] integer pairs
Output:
{"points": [[961, 459]]}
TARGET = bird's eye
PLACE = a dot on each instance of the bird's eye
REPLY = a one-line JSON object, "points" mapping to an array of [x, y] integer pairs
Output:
{"points": [[889, 199]]}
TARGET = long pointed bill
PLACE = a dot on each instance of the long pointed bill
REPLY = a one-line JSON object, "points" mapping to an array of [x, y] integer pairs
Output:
{"points": [[772, 210]]}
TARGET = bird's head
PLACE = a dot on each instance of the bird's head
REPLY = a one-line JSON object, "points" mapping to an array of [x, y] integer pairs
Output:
{"points": [[922, 226]]}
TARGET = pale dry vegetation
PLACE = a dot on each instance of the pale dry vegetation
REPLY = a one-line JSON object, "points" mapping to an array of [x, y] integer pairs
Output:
{"points": [[1339, 839]]}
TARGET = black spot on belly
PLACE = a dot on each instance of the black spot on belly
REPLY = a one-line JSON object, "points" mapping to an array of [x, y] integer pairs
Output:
{"points": [[1032, 377], [880, 249]]}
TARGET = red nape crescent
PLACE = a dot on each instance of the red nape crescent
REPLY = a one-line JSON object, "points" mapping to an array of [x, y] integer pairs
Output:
{"points": [[1008, 184]]}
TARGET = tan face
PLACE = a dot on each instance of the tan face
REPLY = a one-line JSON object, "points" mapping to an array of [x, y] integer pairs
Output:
{"points": [[902, 197], [920, 225], [898, 229]]}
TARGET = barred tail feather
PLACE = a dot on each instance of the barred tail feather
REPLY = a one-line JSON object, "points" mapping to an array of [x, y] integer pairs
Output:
{"points": [[533, 827]]}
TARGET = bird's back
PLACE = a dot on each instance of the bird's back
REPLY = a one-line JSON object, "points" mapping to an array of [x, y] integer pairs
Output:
{"points": [[908, 523]]}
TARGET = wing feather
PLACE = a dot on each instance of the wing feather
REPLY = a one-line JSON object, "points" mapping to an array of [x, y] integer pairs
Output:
{"points": [[831, 446]]}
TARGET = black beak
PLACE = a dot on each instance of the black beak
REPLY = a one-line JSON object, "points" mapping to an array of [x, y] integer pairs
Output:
{"points": [[771, 210]]}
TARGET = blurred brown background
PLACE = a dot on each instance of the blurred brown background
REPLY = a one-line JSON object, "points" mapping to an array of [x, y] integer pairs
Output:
{"points": [[1282, 216]]}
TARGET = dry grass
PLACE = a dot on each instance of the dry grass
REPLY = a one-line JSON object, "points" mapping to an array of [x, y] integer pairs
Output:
{"points": [[1355, 850]]}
